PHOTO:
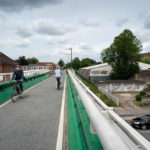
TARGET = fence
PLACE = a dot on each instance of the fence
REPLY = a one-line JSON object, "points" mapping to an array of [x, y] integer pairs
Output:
{"points": [[7, 76], [6, 87]]}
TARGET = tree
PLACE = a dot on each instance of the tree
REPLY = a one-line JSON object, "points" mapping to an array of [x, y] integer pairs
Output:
{"points": [[98, 62], [32, 60], [87, 62], [22, 61], [68, 65], [61, 63], [76, 63], [146, 59], [123, 55]]}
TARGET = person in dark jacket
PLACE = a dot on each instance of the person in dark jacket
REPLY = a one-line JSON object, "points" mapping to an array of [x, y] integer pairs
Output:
{"points": [[18, 75]]}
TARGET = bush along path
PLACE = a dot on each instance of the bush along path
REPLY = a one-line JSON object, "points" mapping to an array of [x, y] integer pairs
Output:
{"points": [[95, 90], [143, 94]]}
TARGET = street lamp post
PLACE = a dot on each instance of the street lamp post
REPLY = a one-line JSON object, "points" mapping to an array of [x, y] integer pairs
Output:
{"points": [[71, 56]]}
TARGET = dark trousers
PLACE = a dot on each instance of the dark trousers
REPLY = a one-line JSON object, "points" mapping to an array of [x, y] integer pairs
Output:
{"points": [[58, 80], [20, 85]]}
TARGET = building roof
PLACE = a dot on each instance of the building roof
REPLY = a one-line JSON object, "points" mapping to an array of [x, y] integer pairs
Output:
{"points": [[96, 66], [45, 64], [142, 66], [41, 64], [6, 60]]}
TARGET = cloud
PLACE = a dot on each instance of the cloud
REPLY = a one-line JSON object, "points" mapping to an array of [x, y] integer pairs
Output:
{"points": [[19, 5], [24, 30], [147, 22], [85, 46], [17, 42], [145, 17], [56, 40], [81, 49], [89, 23], [143, 35], [22, 42], [122, 21], [51, 27], [146, 45], [2, 16], [44, 27]]}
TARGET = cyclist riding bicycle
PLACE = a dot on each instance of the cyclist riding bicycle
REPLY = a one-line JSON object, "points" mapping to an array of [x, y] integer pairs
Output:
{"points": [[58, 74], [18, 75]]}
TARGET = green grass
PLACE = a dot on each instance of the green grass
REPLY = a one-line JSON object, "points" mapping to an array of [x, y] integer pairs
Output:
{"points": [[69, 68], [95, 90], [138, 103]]}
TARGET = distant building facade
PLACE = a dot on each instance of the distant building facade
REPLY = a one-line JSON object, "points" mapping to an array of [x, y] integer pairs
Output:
{"points": [[40, 66], [100, 76], [102, 72], [145, 54], [7, 64]]}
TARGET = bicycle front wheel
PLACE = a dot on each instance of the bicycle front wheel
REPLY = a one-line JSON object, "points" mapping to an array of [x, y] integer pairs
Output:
{"points": [[13, 94]]}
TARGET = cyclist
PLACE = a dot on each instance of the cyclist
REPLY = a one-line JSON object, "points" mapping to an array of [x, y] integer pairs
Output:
{"points": [[18, 75], [58, 74]]}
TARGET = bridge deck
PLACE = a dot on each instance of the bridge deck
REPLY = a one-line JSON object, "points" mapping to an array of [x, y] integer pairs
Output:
{"points": [[32, 122]]}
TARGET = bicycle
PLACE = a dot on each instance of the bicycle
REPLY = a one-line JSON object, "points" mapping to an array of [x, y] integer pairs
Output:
{"points": [[16, 91]]}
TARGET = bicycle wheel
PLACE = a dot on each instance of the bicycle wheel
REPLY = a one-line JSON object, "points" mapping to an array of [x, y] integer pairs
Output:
{"points": [[13, 93], [18, 90]]}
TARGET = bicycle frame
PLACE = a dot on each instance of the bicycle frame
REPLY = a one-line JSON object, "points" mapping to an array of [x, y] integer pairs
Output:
{"points": [[15, 90]]}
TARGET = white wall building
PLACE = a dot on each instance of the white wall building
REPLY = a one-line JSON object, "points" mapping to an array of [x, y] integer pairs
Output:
{"points": [[102, 71]]}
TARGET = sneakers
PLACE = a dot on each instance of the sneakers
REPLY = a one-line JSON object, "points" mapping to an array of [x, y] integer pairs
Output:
{"points": [[21, 92]]}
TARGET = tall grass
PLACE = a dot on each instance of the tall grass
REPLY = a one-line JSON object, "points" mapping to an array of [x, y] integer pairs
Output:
{"points": [[95, 90]]}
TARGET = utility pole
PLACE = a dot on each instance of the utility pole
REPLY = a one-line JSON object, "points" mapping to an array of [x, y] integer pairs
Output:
{"points": [[71, 56]]}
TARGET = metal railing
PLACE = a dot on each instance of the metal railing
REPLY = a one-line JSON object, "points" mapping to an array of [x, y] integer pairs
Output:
{"points": [[7, 76], [113, 132]]}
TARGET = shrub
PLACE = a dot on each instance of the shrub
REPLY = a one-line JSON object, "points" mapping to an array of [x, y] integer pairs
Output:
{"points": [[95, 90], [142, 93], [138, 103], [138, 97]]}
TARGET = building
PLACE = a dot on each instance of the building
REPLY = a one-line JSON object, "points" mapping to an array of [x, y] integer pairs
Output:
{"points": [[7, 64], [100, 76], [145, 54], [101, 72], [40, 66]]}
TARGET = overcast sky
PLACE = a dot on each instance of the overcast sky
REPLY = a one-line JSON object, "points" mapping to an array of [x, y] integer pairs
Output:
{"points": [[46, 29]]}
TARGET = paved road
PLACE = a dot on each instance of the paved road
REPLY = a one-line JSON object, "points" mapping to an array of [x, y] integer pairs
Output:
{"points": [[130, 110], [32, 122]]}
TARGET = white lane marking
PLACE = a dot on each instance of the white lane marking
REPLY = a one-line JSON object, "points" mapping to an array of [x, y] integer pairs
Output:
{"points": [[61, 121], [5, 103], [25, 91]]}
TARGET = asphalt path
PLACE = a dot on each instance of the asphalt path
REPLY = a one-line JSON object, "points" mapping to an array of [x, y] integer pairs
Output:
{"points": [[31, 123]]}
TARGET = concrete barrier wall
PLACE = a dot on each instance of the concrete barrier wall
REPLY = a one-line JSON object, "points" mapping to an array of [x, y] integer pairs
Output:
{"points": [[146, 100], [122, 87], [110, 96], [6, 87]]}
